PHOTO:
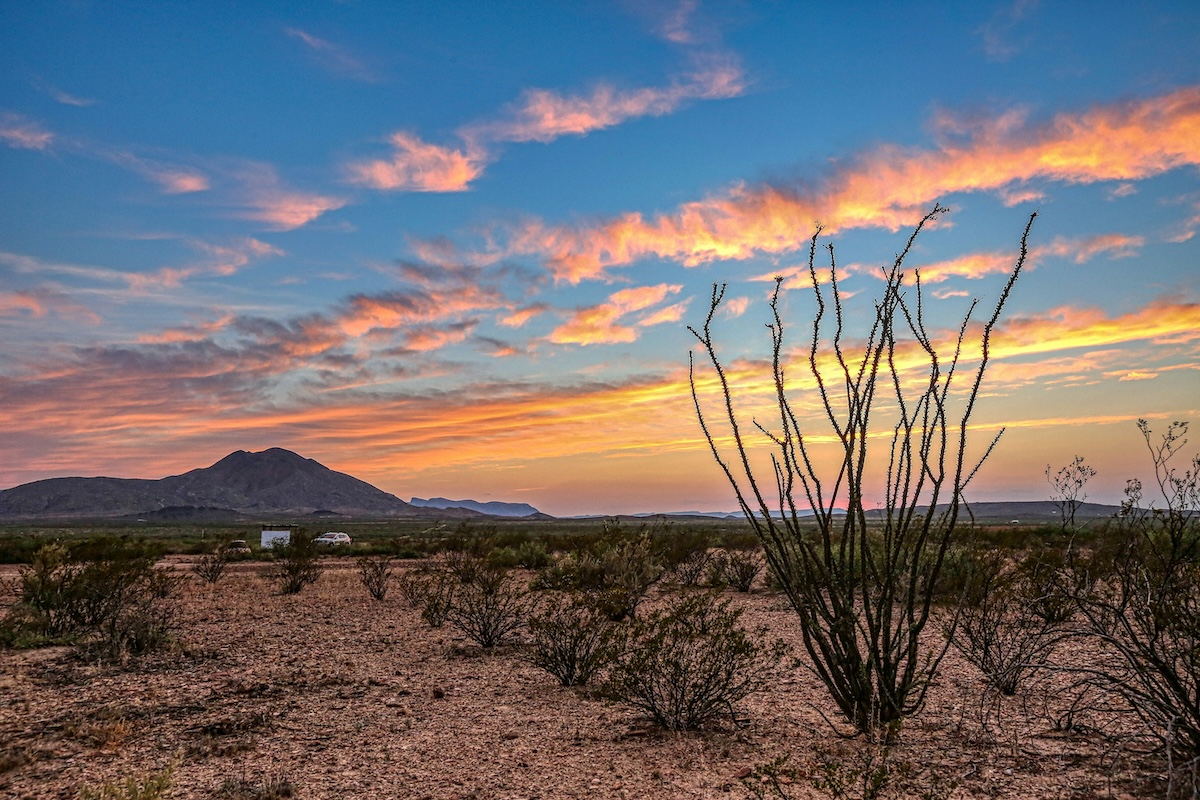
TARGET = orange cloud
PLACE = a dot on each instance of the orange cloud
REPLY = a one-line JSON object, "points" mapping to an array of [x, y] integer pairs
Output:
{"points": [[417, 166], [890, 187], [522, 315], [599, 324], [19, 132], [543, 115]]}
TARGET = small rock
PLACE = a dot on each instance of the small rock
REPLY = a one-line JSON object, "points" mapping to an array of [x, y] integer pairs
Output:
{"points": [[438, 694], [744, 772]]}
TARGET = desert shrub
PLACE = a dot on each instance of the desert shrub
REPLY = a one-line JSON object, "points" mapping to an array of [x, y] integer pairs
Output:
{"points": [[210, 566], [432, 591], [736, 568], [19, 548], [572, 639], [489, 608], [688, 664], [1143, 603], [617, 576], [532, 554], [297, 563], [691, 568], [375, 572], [271, 787], [103, 593], [673, 547], [411, 584], [858, 770], [997, 631], [1043, 581], [151, 786]]}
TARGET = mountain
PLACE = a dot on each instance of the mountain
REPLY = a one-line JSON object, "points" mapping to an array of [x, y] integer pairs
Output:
{"points": [[273, 482], [493, 508]]}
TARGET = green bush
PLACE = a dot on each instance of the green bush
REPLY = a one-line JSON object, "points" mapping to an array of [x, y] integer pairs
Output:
{"points": [[687, 665], [617, 577], [151, 786], [105, 593], [572, 640]]}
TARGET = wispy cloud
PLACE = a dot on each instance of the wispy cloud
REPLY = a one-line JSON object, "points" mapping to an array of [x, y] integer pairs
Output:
{"points": [[417, 166], [602, 324], [281, 208], [333, 57], [999, 33], [59, 96], [543, 116], [540, 115], [20, 132], [890, 187]]}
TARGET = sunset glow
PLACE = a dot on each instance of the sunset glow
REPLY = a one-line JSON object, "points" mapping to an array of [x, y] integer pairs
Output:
{"points": [[455, 253]]}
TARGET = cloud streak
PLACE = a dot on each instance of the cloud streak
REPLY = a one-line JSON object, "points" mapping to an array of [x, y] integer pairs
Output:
{"points": [[890, 187], [539, 116]]}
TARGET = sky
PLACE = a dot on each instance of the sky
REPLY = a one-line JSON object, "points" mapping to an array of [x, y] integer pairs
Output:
{"points": [[454, 248]]}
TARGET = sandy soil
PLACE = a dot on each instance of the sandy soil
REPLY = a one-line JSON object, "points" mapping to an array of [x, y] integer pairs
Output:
{"points": [[346, 697]]}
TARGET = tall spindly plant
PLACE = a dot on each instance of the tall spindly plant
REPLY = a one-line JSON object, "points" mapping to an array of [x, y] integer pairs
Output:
{"points": [[862, 583]]}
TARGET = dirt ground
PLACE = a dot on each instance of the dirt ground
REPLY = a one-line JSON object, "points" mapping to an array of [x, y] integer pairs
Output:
{"points": [[336, 695]]}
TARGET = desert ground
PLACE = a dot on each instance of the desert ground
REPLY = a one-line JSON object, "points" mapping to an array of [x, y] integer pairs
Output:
{"points": [[331, 694]]}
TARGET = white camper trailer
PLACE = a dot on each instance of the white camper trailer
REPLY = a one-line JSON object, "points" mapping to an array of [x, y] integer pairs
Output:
{"points": [[275, 534]]}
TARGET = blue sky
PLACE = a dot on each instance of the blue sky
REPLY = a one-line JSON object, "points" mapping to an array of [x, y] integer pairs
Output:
{"points": [[453, 248]]}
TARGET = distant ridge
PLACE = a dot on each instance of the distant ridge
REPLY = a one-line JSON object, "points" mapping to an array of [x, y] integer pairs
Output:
{"points": [[273, 482], [493, 508]]}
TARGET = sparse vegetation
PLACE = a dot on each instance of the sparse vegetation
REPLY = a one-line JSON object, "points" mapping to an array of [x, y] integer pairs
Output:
{"points": [[688, 664], [572, 639], [105, 594], [488, 608], [375, 572], [150, 786], [297, 564], [209, 567]]}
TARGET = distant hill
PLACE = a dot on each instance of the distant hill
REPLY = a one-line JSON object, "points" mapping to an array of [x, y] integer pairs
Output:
{"points": [[1032, 512], [493, 508], [273, 482]]}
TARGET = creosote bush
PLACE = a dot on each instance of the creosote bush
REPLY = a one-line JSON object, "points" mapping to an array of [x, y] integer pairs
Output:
{"points": [[375, 572], [104, 593], [736, 568], [297, 563], [209, 567], [616, 571], [997, 630], [151, 786], [572, 639], [489, 608], [687, 665]]}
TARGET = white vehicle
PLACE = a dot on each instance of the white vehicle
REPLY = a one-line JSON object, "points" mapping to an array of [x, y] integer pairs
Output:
{"points": [[333, 539]]}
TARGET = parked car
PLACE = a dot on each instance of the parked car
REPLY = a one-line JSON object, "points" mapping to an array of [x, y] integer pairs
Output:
{"points": [[333, 539], [238, 547]]}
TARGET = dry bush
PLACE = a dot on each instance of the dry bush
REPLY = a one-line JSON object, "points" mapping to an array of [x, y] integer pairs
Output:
{"points": [[375, 572], [572, 639], [735, 567], [688, 664], [489, 608], [616, 572], [297, 563], [1141, 602], [209, 567], [997, 631], [151, 786]]}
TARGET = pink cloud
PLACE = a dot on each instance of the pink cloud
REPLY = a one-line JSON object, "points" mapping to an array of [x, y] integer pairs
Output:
{"points": [[417, 166], [19, 132], [281, 208]]}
